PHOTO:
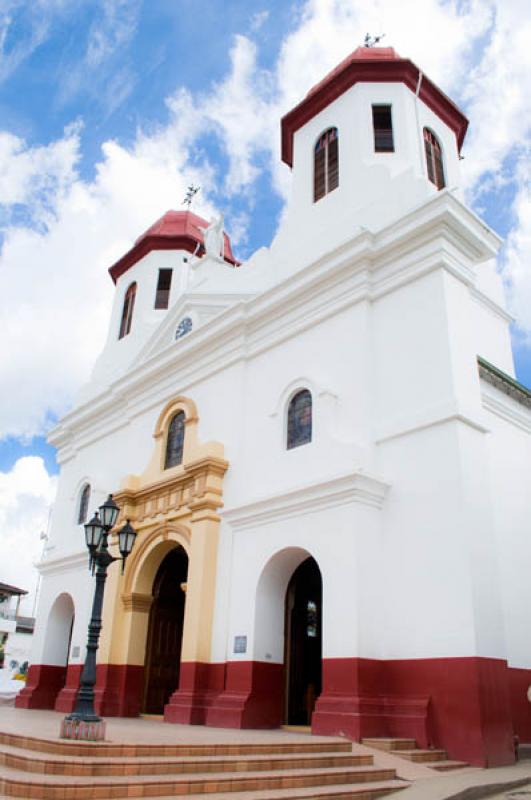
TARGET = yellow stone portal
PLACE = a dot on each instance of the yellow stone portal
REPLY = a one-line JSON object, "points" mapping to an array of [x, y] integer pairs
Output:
{"points": [[167, 507]]}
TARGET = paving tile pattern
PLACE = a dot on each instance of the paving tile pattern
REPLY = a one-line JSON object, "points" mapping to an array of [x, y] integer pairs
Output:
{"points": [[51, 769]]}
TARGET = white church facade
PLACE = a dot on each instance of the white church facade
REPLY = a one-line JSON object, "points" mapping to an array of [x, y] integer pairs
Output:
{"points": [[324, 452]]}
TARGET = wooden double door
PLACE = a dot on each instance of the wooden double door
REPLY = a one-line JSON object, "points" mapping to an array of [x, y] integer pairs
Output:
{"points": [[165, 631]]}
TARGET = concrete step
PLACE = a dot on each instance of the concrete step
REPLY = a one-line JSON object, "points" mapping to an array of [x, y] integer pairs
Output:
{"points": [[388, 743], [16, 758], [63, 747], [421, 756], [447, 765], [15, 783], [346, 791]]}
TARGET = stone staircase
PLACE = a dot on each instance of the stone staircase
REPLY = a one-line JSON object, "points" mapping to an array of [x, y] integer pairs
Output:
{"points": [[407, 748], [55, 769]]}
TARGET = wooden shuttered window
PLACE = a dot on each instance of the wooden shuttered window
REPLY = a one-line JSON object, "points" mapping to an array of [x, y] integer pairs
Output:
{"points": [[326, 164], [162, 296], [127, 311], [434, 163], [333, 164], [319, 174], [383, 129]]}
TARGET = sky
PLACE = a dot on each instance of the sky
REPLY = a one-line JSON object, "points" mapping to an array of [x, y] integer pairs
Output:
{"points": [[110, 108]]}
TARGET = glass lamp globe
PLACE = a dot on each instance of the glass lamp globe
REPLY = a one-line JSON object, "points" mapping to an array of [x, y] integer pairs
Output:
{"points": [[109, 512], [93, 532]]}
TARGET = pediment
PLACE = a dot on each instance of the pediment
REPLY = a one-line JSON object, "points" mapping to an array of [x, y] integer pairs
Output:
{"points": [[189, 314]]}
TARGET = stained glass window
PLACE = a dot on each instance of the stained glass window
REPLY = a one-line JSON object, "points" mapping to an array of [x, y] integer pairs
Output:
{"points": [[175, 441], [326, 164], [127, 311], [83, 504], [434, 159], [300, 419]]}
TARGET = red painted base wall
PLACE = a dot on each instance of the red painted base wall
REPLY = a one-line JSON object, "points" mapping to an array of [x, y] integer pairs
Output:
{"points": [[44, 683], [119, 690], [471, 707], [459, 704], [199, 686], [252, 697], [66, 699]]}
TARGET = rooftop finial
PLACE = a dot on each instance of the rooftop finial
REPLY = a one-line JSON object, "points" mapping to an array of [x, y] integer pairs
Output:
{"points": [[190, 194], [371, 41]]}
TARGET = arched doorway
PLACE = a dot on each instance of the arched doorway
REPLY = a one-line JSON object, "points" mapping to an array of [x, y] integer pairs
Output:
{"points": [[165, 631], [59, 631], [303, 643]]}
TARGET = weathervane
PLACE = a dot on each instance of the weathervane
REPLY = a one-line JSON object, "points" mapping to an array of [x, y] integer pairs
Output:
{"points": [[370, 41], [190, 194]]}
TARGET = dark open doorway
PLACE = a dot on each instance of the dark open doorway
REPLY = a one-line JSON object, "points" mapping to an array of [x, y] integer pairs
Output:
{"points": [[302, 657], [165, 631]]}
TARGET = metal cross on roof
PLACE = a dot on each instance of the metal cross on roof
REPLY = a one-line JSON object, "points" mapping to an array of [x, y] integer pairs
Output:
{"points": [[370, 41], [190, 194]]}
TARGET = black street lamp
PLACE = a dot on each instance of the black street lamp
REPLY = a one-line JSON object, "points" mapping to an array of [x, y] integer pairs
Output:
{"points": [[83, 722]]}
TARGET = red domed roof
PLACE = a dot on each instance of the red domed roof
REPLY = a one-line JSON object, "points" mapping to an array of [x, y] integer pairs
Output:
{"points": [[374, 65], [175, 230]]}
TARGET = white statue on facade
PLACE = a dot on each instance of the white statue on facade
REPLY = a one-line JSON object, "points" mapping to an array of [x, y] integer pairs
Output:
{"points": [[213, 237]]}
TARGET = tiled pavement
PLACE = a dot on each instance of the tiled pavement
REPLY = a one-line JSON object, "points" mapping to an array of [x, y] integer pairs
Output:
{"points": [[169, 760]]}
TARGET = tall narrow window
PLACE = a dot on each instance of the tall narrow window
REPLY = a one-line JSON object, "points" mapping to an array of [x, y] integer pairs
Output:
{"points": [[84, 500], [300, 419], [383, 129], [175, 441], [162, 297], [434, 162], [326, 164], [127, 311]]}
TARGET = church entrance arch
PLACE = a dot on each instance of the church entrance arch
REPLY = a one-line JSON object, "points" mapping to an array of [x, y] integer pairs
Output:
{"points": [[165, 631], [59, 631], [288, 636], [303, 643]]}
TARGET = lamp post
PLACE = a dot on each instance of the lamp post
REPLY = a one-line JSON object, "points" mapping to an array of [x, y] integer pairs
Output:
{"points": [[83, 722]]}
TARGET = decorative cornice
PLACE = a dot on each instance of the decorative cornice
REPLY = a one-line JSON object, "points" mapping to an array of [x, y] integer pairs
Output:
{"points": [[504, 383], [495, 308], [72, 561], [354, 487], [427, 418], [195, 487], [362, 268]]}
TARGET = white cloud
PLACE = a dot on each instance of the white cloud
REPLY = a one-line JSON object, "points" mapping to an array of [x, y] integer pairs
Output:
{"points": [[26, 495], [55, 274], [24, 27], [258, 19], [113, 30], [517, 261]]}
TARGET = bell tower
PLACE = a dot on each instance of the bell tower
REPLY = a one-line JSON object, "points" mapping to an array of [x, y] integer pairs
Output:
{"points": [[372, 140]]}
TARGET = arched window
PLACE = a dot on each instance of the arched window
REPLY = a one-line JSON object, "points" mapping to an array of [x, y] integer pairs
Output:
{"points": [[175, 440], [127, 311], [434, 159], [326, 164], [300, 419], [84, 499]]}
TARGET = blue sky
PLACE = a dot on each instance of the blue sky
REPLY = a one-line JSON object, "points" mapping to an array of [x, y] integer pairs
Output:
{"points": [[109, 108]]}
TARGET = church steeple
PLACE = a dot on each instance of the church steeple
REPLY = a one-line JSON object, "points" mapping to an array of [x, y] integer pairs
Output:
{"points": [[373, 139]]}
